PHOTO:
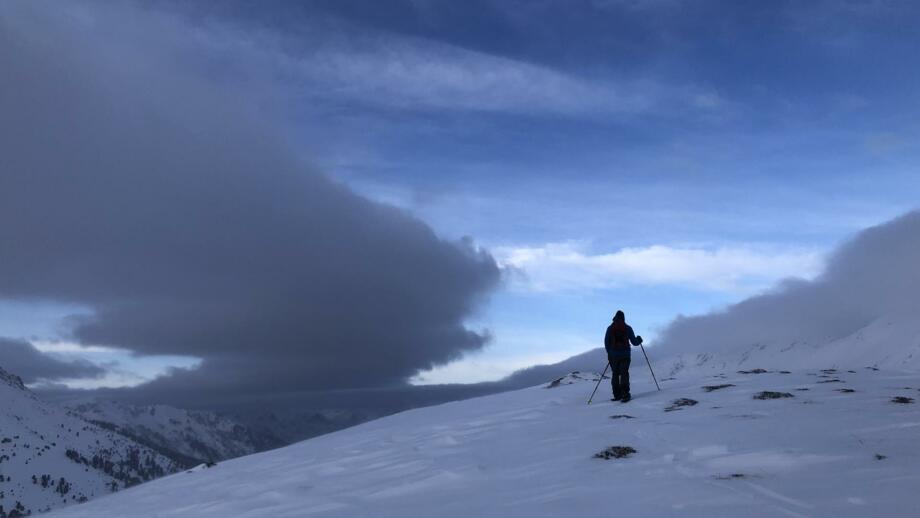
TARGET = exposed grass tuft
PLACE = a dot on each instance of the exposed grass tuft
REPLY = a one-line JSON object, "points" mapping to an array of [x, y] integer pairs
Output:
{"points": [[615, 452], [767, 394], [677, 404]]}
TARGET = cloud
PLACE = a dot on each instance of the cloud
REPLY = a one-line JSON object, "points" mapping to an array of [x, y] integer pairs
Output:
{"points": [[123, 368], [138, 186], [523, 348], [24, 360], [873, 275], [593, 360], [337, 64], [568, 266], [435, 76]]}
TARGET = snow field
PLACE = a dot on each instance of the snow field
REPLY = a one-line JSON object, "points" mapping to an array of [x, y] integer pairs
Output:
{"points": [[530, 453]]}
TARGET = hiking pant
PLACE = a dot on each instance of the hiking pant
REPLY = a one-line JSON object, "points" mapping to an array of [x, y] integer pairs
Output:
{"points": [[620, 379]]}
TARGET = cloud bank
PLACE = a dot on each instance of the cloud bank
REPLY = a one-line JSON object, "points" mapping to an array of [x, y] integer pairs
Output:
{"points": [[873, 275], [135, 185], [869, 287]]}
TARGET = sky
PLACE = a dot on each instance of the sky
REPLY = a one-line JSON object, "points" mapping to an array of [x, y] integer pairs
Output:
{"points": [[296, 196]]}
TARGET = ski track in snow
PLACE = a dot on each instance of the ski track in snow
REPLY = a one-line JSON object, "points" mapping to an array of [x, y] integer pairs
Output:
{"points": [[530, 453]]}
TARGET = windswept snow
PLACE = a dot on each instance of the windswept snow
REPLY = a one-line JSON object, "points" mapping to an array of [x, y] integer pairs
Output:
{"points": [[532, 453]]}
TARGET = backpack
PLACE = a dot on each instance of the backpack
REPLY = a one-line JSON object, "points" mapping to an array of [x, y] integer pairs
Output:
{"points": [[620, 335]]}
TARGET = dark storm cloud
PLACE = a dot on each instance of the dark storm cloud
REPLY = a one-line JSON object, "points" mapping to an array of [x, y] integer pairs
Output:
{"points": [[873, 275], [133, 185], [24, 360]]}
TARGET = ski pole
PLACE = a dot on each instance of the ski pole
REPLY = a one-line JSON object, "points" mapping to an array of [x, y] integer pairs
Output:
{"points": [[599, 382], [650, 367]]}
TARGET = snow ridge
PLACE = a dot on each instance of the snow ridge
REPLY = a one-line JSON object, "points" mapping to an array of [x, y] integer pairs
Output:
{"points": [[11, 380]]}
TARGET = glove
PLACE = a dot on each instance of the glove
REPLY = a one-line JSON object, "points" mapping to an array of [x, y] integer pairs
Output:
{"points": [[639, 339]]}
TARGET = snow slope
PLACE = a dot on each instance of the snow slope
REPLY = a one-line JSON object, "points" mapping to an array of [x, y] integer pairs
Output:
{"points": [[70, 459], [200, 435], [821, 452], [891, 342]]}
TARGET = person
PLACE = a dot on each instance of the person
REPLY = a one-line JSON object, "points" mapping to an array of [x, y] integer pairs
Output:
{"points": [[616, 342]]}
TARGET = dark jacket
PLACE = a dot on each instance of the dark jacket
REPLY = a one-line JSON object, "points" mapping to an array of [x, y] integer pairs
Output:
{"points": [[619, 348]]}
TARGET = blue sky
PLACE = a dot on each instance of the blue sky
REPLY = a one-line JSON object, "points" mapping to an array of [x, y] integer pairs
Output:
{"points": [[658, 156], [741, 141]]}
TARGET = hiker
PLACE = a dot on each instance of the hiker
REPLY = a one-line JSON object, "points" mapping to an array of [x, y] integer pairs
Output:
{"points": [[616, 342]]}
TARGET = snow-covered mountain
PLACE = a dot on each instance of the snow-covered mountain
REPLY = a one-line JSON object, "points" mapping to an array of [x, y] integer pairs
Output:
{"points": [[198, 436], [288, 426], [50, 457], [862, 310], [826, 442], [889, 342]]}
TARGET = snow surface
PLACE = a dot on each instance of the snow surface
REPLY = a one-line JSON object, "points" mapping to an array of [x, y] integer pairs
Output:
{"points": [[822, 452]]}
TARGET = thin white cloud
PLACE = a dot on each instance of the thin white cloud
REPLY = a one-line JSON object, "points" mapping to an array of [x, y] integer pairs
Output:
{"points": [[387, 70], [47, 346], [569, 266], [512, 348], [483, 368], [116, 378], [122, 367], [411, 75]]}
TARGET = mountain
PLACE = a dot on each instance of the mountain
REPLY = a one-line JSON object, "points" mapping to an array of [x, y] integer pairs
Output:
{"points": [[194, 436], [285, 426], [889, 342], [811, 442], [861, 310], [50, 457]]}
